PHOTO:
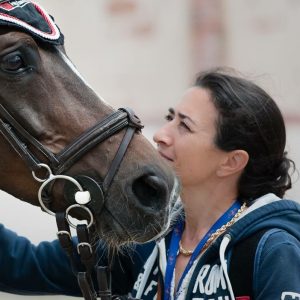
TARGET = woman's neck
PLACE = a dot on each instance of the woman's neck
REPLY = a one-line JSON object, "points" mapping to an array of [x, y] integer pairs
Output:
{"points": [[202, 210]]}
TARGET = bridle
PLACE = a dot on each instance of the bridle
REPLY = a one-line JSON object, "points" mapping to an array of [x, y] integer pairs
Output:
{"points": [[19, 138], [55, 164]]}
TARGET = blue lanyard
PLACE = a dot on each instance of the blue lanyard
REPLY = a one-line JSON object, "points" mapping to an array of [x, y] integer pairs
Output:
{"points": [[174, 246]]}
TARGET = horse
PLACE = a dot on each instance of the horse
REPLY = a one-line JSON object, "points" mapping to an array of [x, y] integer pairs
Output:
{"points": [[64, 148]]}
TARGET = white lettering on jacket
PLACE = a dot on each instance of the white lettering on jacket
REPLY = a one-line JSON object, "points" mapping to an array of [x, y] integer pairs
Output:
{"points": [[139, 281], [209, 279], [150, 287]]}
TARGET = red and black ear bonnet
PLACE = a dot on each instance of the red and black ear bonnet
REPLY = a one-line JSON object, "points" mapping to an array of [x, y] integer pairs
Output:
{"points": [[31, 18]]}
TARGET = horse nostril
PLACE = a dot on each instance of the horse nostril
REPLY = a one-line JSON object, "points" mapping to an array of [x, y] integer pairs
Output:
{"points": [[151, 191]]}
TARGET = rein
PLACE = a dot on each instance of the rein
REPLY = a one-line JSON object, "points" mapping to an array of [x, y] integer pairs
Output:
{"points": [[83, 189]]}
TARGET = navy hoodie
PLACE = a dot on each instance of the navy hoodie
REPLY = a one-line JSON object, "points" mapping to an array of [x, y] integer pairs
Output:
{"points": [[44, 269], [276, 266]]}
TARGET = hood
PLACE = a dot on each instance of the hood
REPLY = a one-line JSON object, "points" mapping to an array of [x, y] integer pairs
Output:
{"points": [[266, 212]]}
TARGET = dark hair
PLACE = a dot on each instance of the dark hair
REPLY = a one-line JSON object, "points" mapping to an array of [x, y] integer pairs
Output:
{"points": [[250, 120]]}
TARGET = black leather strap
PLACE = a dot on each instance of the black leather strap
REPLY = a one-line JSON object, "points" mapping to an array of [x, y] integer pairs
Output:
{"points": [[84, 282], [9, 128], [118, 158], [104, 282], [65, 239], [85, 249], [19, 138], [90, 138]]}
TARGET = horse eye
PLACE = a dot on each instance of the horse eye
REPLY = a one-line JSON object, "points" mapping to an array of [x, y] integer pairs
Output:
{"points": [[12, 63]]}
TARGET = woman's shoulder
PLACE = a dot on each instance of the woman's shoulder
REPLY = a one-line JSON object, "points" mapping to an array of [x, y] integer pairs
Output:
{"points": [[278, 237], [277, 264], [276, 244]]}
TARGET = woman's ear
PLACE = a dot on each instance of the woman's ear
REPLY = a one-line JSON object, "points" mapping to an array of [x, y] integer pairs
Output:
{"points": [[234, 162]]}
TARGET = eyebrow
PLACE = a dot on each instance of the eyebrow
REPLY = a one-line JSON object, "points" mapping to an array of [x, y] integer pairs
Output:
{"points": [[181, 115]]}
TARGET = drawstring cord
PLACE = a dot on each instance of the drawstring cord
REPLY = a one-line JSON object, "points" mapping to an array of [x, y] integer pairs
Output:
{"points": [[225, 241], [162, 257]]}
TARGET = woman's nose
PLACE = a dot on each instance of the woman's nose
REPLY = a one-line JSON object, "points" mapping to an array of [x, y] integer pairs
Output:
{"points": [[162, 136]]}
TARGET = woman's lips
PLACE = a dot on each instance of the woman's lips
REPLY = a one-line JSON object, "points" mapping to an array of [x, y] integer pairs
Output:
{"points": [[165, 156]]}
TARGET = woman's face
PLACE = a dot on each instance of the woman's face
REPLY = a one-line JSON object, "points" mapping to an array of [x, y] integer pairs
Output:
{"points": [[187, 139]]}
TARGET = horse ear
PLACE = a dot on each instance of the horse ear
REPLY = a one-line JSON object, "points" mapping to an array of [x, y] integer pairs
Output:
{"points": [[234, 163]]}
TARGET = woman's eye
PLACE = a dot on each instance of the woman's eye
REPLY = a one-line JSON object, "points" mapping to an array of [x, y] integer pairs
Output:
{"points": [[168, 118], [182, 124], [12, 63]]}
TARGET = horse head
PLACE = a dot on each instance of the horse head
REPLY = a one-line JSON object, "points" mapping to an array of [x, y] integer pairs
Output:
{"points": [[57, 133]]}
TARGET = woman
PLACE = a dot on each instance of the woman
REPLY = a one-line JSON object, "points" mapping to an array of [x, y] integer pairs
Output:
{"points": [[226, 140]]}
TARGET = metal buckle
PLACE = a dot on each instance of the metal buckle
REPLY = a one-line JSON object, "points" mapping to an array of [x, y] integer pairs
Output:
{"points": [[84, 244], [64, 232]]}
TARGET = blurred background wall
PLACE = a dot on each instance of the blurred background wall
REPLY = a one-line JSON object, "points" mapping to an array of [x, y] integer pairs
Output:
{"points": [[143, 54]]}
